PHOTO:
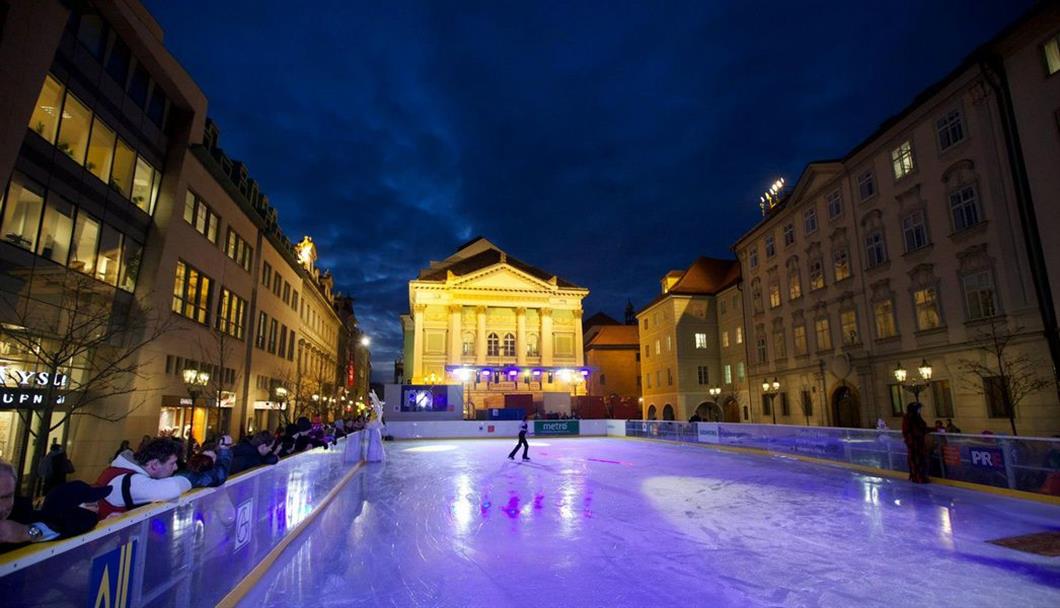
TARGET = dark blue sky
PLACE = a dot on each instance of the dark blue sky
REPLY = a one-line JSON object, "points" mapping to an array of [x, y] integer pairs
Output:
{"points": [[607, 142]]}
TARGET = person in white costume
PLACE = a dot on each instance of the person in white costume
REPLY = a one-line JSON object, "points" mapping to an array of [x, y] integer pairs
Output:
{"points": [[375, 430]]}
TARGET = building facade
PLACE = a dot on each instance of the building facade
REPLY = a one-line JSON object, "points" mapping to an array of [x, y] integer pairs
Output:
{"points": [[496, 325], [916, 248], [612, 354], [682, 356]]}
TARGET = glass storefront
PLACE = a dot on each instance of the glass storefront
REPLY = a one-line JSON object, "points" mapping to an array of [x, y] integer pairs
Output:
{"points": [[181, 417]]}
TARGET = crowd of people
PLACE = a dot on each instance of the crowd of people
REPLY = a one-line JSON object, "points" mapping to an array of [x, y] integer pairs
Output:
{"points": [[159, 469]]}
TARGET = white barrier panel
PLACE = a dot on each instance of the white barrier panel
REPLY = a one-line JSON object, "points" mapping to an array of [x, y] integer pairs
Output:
{"points": [[616, 428], [593, 427], [452, 429]]}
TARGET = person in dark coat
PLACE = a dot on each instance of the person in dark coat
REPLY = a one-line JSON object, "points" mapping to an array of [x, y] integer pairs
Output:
{"points": [[252, 451], [915, 431], [522, 441]]}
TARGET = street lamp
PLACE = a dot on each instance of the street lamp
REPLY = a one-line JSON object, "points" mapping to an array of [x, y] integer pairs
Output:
{"points": [[914, 386], [196, 381], [771, 197], [366, 341], [770, 390]]}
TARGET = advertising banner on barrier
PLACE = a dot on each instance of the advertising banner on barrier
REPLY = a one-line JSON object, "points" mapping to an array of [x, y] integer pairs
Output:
{"points": [[555, 427], [708, 432]]}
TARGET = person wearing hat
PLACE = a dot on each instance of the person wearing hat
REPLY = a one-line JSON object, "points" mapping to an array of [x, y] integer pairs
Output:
{"points": [[915, 431], [62, 515]]}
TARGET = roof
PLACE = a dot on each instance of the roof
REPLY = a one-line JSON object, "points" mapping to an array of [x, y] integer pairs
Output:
{"points": [[706, 276], [599, 319], [491, 256], [615, 335]]}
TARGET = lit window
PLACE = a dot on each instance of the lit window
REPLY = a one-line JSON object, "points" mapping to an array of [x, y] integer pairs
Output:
{"points": [[841, 264], [22, 213], [823, 330], [701, 340], [979, 295], [109, 259], [902, 159], [86, 240], [45, 118], [658, 347], [774, 295], [884, 314], [798, 337], [927, 308], [145, 188], [964, 208], [231, 317], [914, 231], [950, 129], [191, 293], [741, 372], [121, 177], [101, 150], [56, 230], [739, 335], [794, 284], [728, 373], [866, 185], [725, 339], [848, 322], [1052, 54], [816, 275], [73, 129], [204, 220]]}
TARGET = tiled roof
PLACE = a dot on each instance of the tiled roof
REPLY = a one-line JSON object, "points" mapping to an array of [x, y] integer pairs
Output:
{"points": [[485, 259], [706, 276], [615, 335]]}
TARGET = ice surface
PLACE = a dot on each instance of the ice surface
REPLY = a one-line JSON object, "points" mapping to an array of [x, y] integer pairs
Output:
{"points": [[622, 522]]}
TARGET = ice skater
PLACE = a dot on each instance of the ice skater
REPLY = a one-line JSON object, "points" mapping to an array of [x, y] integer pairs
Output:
{"points": [[522, 441]]}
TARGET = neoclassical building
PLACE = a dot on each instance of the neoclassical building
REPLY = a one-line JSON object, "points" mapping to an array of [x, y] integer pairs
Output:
{"points": [[505, 330]]}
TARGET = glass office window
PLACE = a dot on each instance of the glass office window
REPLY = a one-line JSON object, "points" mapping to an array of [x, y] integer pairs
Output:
{"points": [[86, 238], [101, 150], [73, 129], [124, 162], [45, 118], [22, 212], [109, 255], [56, 230]]}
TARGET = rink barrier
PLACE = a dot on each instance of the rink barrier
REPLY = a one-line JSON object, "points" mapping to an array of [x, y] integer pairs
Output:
{"points": [[184, 553], [1026, 467]]}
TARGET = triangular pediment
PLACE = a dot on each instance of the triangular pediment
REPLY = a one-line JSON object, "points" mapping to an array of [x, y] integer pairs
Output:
{"points": [[815, 176], [501, 277]]}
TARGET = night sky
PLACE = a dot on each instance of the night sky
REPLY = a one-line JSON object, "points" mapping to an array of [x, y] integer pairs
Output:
{"points": [[606, 142]]}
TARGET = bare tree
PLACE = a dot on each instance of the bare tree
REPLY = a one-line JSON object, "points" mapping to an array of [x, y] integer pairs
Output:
{"points": [[1001, 372], [87, 341], [219, 348]]}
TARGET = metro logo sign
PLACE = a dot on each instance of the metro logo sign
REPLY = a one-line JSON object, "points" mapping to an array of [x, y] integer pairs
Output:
{"points": [[556, 427]]}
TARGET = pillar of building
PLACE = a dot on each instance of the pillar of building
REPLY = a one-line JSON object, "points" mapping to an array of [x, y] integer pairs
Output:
{"points": [[417, 342], [455, 338], [546, 337], [480, 335], [579, 352], [520, 336]]}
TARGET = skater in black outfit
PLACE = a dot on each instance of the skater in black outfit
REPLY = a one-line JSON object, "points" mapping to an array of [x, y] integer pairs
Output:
{"points": [[522, 442]]}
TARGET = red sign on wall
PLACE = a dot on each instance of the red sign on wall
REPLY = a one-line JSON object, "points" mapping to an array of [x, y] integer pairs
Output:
{"points": [[349, 375]]}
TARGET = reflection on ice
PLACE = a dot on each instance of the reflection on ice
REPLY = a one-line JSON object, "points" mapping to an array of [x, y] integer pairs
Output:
{"points": [[431, 448]]}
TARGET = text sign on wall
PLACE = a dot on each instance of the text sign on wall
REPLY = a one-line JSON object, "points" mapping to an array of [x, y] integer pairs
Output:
{"points": [[707, 432], [556, 427], [986, 458], [112, 577]]}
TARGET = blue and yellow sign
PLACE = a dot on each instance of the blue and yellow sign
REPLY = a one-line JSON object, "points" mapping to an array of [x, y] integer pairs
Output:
{"points": [[112, 577]]}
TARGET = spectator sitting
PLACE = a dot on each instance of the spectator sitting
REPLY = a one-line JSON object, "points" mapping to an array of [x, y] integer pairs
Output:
{"points": [[950, 427], [148, 476], [306, 440], [939, 427], [61, 515], [252, 451]]}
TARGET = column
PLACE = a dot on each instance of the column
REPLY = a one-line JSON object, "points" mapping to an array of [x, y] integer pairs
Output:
{"points": [[546, 337], [480, 335], [520, 336], [417, 342], [456, 342], [579, 339]]}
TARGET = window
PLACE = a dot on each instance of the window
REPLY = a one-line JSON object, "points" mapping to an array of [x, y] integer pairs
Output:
{"points": [[701, 340], [283, 340], [156, 108], [73, 129], [875, 249], [914, 231], [809, 220], [200, 216], [92, 34], [942, 398], [86, 241], [277, 283], [138, 85], [669, 344], [240, 252], [274, 327], [109, 260], [531, 346], [22, 212], [902, 159], [132, 253], [739, 335], [101, 150], [1052, 55], [927, 308], [760, 347], [789, 235], [741, 372], [259, 334], [509, 345], [145, 189], [266, 273], [994, 390], [756, 295], [725, 339], [702, 375], [191, 293], [807, 403], [866, 185], [603, 379], [794, 284], [964, 208], [493, 345], [669, 377], [848, 324], [45, 118], [766, 405], [841, 264], [56, 230], [823, 330], [658, 347], [883, 311], [721, 306], [728, 373], [647, 380], [753, 257], [979, 295], [121, 177], [294, 296], [771, 247], [779, 344], [774, 295], [897, 409], [118, 62], [816, 275], [231, 315], [286, 293], [949, 129], [798, 335], [835, 205], [785, 409]]}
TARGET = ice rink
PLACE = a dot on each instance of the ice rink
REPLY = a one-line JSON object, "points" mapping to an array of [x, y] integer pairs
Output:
{"points": [[623, 522]]}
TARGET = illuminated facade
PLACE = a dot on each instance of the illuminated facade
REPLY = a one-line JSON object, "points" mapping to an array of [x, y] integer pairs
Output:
{"points": [[496, 325]]}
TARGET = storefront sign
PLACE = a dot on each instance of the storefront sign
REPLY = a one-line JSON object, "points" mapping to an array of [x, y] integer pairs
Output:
{"points": [[20, 398], [708, 432], [986, 458], [556, 427], [269, 405], [12, 376]]}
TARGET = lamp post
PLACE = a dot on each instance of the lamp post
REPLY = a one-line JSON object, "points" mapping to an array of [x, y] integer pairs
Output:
{"points": [[280, 393], [914, 386], [771, 197], [770, 390]]}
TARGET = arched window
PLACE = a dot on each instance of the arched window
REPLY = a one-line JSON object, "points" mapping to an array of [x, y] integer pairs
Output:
{"points": [[509, 345], [651, 412], [668, 412], [493, 346]]}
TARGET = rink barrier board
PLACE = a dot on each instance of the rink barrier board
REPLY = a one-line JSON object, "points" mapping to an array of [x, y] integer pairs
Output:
{"points": [[185, 552], [901, 475], [244, 586]]}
